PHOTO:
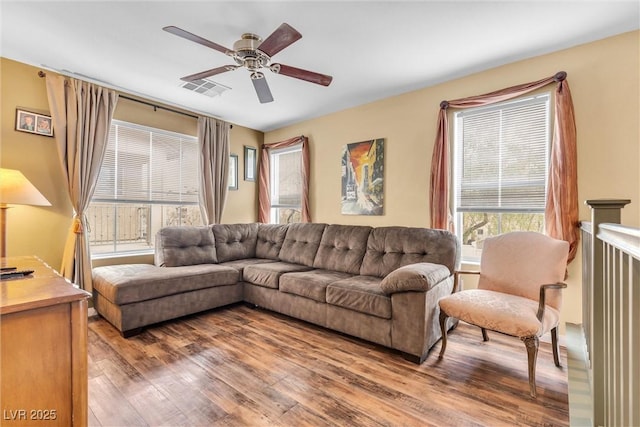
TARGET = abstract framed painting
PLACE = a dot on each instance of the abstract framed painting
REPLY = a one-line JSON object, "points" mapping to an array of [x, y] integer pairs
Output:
{"points": [[363, 178]]}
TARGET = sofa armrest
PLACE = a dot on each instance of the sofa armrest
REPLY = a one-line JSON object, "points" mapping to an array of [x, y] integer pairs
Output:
{"points": [[414, 277]]}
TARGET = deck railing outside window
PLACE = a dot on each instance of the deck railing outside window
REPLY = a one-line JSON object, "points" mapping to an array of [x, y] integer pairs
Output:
{"points": [[131, 227]]}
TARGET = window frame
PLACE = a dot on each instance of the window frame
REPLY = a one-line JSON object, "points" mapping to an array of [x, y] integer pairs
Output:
{"points": [[150, 203], [274, 184], [543, 96]]}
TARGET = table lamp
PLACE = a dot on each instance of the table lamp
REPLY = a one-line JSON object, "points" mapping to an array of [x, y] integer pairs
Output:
{"points": [[15, 189]]}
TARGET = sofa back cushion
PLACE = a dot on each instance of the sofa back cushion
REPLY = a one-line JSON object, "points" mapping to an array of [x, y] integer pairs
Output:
{"points": [[235, 241], [342, 248], [184, 245], [301, 243], [389, 248], [270, 240]]}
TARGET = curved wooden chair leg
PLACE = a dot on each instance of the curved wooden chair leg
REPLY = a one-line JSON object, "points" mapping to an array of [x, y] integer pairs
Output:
{"points": [[485, 337], [443, 330], [532, 354], [554, 344]]}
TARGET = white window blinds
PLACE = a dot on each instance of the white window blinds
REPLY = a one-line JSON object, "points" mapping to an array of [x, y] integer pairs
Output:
{"points": [[502, 156], [148, 165], [286, 179]]}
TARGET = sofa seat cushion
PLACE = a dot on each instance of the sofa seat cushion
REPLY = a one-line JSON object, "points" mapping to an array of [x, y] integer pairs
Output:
{"points": [[360, 293], [129, 283], [268, 274], [240, 264], [310, 284]]}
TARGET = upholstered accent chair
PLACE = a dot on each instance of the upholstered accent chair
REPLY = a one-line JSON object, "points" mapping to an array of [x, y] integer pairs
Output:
{"points": [[518, 294]]}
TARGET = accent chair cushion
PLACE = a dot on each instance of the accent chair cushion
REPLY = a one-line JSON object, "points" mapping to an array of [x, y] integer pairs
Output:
{"points": [[509, 314]]}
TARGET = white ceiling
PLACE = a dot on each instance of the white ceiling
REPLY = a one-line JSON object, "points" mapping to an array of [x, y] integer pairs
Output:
{"points": [[373, 49]]}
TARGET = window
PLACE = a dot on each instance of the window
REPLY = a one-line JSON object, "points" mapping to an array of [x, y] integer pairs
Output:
{"points": [[286, 185], [148, 180], [501, 168]]}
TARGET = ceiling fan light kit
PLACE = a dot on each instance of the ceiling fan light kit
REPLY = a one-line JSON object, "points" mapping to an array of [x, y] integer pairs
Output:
{"points": [[252, 53]]}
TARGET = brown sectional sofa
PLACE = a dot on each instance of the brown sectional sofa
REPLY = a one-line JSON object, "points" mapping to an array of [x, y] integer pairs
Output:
{"points": [[379, 284]]}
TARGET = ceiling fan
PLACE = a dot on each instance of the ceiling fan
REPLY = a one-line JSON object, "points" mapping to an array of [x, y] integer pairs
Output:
{"points": [[252, 53]]}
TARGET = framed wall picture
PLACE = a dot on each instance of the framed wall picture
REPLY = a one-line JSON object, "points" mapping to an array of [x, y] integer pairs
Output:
{"points": [[250, 163], [363, 178], [233, 172], [28, 121]]}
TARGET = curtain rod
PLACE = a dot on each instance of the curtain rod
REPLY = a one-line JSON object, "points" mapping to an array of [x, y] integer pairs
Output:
{"points": [[155, 107]]}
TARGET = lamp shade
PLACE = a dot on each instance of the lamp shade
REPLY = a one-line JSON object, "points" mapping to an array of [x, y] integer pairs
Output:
{"points": [[16, 189]]}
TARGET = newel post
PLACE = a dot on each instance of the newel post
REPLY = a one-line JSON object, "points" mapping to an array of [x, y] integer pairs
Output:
{"points": [[602, 211]]}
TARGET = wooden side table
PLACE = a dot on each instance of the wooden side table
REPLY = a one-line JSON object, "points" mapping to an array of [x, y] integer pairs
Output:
{"points": [[43, 348]]}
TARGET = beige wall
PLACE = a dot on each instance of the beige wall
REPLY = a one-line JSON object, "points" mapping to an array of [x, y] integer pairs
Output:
{"points": [[604, 81], [242, 204], [42, 231], [32, 230]]}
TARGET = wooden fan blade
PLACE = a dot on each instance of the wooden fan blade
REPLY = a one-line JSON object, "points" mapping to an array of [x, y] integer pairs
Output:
{"points": [[189, 36], [261, 87], [282, 37], [209, 73], [299, 73]]}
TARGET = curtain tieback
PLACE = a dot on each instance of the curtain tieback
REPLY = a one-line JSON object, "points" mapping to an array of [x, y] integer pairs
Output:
{"points": [[80, 224]]}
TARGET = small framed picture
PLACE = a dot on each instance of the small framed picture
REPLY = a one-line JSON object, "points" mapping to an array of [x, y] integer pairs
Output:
{"points": [[233, 172], [27, 121], [249, 163]]}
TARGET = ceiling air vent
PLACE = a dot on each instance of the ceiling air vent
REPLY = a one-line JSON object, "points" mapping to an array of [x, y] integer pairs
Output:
{"points": [[205, 87]]}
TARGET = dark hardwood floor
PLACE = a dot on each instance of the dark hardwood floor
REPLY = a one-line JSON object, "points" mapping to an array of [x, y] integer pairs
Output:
{"points": [[240, 366]]}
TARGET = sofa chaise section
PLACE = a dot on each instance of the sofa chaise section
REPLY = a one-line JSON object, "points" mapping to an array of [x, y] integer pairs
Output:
{"points": [[132, 296], [187, 279]]}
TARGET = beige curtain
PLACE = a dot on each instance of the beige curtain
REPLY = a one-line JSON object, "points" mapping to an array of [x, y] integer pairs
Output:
{"points": [[81, 113], [213, 140], [561, 212], [264, 194]]}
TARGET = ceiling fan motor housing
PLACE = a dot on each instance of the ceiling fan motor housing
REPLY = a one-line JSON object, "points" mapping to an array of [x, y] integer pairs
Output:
{"points": [[247, 53]]}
